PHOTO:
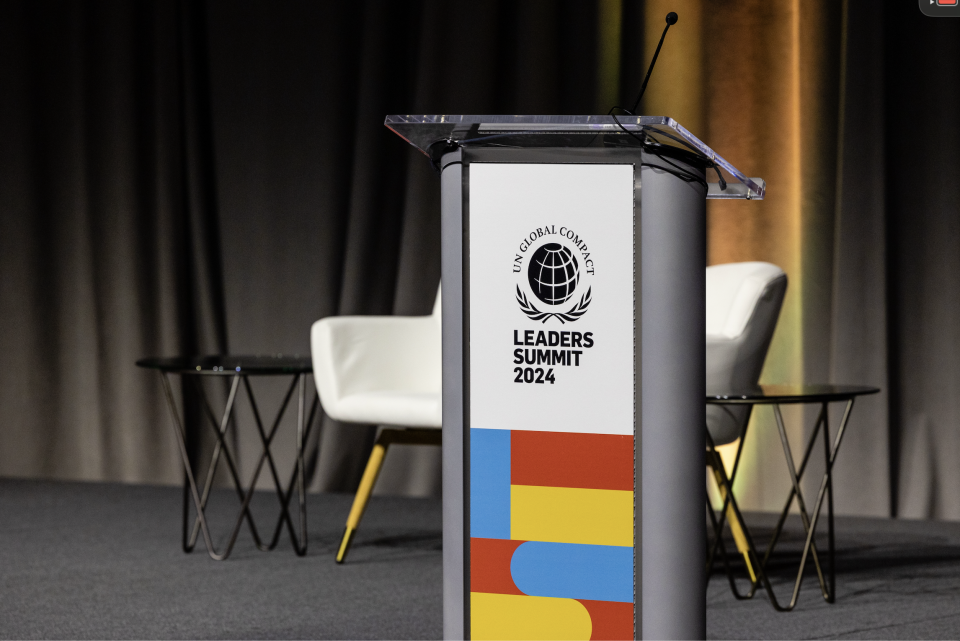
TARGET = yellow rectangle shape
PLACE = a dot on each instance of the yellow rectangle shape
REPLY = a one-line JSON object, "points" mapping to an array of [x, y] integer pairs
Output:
{"points": [[511, 616], [571, 515]]}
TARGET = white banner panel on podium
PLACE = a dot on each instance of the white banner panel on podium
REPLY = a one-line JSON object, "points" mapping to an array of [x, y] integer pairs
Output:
{"points": [[551, 290]]}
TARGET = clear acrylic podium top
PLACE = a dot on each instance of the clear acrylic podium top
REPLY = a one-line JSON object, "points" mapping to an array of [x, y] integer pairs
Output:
{"points": [[434, 134]]}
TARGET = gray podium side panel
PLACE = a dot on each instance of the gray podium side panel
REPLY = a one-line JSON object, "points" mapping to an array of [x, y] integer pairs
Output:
{"points": [[673, 324], [637, 402], [451, 232]]}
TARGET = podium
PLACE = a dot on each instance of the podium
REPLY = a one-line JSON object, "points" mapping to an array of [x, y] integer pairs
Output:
{"points": [[573, 256]]}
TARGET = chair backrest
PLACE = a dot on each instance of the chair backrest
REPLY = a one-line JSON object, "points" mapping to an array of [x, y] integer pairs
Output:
{"points": [[379, 369], [743, 305]]}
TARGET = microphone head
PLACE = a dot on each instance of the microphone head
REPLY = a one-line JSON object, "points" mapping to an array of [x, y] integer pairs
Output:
{"points": [[672, 18]]}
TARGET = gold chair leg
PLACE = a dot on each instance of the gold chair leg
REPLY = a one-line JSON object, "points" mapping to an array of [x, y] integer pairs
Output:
{"points": [[736, 527], [370, 474], [387, 437]]}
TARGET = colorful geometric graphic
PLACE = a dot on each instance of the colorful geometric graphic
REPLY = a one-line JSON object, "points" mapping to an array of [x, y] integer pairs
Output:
{"points": [[551, 525]]}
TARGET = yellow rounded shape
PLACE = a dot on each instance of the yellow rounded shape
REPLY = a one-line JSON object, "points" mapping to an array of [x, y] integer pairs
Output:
{"points": [[511, 616]]}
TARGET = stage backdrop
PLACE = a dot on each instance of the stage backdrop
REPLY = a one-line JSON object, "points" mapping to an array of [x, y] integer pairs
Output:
{"points": [[182, 177]]}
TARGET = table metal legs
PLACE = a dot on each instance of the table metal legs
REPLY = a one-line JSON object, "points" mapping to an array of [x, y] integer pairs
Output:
{"points": [[220, 447], [221, 450], [756, 566]]}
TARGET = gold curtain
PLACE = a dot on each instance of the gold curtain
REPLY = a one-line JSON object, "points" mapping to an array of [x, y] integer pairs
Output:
{"points": [[759, 82]]}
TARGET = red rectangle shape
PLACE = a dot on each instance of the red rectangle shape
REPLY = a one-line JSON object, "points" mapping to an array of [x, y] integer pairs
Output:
{"points": [[562, 459], [611, 621], [490, 566], [947, 2]]}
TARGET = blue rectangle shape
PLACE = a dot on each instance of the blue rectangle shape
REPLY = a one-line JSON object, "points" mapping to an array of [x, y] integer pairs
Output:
{"points": [[574, 571], [489, 484]]}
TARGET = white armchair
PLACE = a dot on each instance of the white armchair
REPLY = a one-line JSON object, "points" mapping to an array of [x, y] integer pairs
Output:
{"points": [[380, 370], [743, 305]]}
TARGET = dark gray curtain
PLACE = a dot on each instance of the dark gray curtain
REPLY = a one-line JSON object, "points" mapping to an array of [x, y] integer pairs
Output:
{"points": [[324, 211], [187, 177], [848, 334], [886, 292], [108, 238], [184, 177], [922, 248]]}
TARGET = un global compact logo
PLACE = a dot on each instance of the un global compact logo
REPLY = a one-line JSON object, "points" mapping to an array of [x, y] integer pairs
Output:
{"points": [[553, 274]]}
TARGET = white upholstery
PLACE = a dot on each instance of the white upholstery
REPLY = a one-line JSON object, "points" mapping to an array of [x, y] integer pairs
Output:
{"points": [[382, 370], [743, 304]]}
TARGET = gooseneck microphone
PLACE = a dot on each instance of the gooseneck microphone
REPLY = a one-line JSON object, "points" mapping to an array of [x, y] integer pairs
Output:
{"points": [[672, 18], [653, 146]]}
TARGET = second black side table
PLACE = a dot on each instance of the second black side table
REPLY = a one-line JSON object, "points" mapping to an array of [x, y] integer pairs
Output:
{"points": [[239, 369], [777, 395]]}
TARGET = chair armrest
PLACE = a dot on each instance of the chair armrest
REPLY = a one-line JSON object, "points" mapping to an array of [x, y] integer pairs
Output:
{"points": [[356, 354]]}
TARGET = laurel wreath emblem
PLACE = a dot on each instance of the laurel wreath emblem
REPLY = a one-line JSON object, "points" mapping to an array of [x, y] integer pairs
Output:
{"points": [[535, 314]]}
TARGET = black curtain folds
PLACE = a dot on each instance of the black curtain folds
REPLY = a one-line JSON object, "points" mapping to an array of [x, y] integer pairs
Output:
{"points": [[174, 175], [109, 244], [921, 195], [323, 210], [186, 177]]}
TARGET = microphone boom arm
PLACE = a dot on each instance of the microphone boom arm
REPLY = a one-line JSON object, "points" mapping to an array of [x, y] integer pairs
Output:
{"points": [[671, 20]]}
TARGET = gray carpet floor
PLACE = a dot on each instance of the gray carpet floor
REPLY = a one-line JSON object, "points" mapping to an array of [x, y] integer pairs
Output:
{"points": [[85, 560], [103, 561], [896, 579]]}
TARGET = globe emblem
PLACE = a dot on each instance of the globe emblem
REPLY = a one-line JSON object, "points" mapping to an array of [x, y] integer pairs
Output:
{"points": [[553, 273]]}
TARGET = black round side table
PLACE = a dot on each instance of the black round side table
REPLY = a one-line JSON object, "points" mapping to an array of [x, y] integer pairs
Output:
{"points": [[777, 395], [239, 369]]}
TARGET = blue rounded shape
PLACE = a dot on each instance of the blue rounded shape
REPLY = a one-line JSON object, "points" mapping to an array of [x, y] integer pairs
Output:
{"points": [[574, 571]]}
